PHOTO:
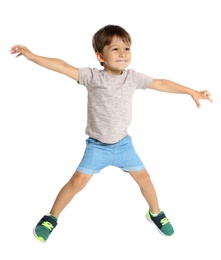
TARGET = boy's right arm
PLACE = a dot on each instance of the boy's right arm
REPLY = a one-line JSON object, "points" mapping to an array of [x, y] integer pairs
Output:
{"points": [[49, 63]]}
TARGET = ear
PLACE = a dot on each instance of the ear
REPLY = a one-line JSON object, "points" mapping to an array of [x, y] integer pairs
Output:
{"points": [[99, 57]]}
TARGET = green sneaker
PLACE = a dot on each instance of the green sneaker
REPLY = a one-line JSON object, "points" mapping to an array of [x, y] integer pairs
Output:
{"points": [[44, 227], [162, 223]]}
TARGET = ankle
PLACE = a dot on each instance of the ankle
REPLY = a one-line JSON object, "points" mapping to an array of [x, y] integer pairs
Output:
{"points": [[155, 212], [52, 216]]}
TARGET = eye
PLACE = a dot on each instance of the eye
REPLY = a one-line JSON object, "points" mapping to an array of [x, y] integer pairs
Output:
{"points": [[127, 49], [115, 49]]}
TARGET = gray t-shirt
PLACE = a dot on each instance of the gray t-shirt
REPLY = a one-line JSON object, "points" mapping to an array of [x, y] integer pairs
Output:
{"points": [[110, 99]]}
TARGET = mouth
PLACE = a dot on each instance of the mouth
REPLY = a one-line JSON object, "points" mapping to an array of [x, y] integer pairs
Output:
{"points": [[121, 61]]}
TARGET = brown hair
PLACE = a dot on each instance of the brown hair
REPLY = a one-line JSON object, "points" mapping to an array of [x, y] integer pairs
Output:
{"points": [[103, 37]]}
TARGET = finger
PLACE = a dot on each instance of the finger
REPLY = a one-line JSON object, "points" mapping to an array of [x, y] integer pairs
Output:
{"points": [[197, 103], [14, 50], [208, 98], [207, 95], [17, 48], [14, 47], [18, 55]]}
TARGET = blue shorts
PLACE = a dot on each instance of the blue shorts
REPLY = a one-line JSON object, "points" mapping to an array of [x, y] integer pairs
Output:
{"points": [[99, 155]]}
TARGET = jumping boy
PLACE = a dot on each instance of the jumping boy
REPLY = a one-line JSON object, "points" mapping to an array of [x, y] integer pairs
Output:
{"points": [[110, 95]]}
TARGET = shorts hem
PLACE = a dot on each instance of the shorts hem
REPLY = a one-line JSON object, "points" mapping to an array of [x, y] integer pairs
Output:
{"points": [[87, 171], [133, 169]]}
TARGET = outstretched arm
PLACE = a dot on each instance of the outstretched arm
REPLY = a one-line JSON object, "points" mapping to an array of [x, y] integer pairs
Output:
{"points": [[49, 63], [172, 87]]}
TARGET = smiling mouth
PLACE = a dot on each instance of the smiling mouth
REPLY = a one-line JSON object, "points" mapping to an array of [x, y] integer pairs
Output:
{"points": [[121, 61]]}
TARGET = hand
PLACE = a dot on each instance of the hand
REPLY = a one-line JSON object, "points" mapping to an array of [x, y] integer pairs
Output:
{"points": [[21, 50], [201, 95]]}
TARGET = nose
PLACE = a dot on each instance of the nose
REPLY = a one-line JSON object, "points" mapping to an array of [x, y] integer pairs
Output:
{"points": [[121, 54]]}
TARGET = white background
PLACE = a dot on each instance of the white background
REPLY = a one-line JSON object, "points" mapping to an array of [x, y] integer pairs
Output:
{"points": [[43, 118]]}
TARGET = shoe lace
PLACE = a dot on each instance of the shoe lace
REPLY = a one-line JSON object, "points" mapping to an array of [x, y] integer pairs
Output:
{"points": [[48, 225], [164, 221]]}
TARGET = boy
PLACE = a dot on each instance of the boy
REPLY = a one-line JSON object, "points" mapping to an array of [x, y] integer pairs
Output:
{"points": [[110, 94]]}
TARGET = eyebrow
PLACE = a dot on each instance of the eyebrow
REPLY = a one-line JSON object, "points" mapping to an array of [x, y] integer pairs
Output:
{"points": [[117, 45]]}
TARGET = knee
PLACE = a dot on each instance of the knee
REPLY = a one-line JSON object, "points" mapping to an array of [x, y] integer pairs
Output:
{"points": [[79, 180], [143, 178]]}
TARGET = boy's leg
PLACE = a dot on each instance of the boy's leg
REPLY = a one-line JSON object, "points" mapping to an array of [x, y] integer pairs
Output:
{"points": [[147, 189], [154, 214], [45, 226], [77, 182]]}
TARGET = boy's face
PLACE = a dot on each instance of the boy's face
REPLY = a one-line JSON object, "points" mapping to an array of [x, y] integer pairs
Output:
{"points": [[116, 56]]}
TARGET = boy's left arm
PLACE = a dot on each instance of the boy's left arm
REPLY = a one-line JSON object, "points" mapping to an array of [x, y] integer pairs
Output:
{"points": [[172, 87]]}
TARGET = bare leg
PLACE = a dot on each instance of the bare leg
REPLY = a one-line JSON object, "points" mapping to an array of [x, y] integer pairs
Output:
{"points": [[147, 189], [77, 182]]}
